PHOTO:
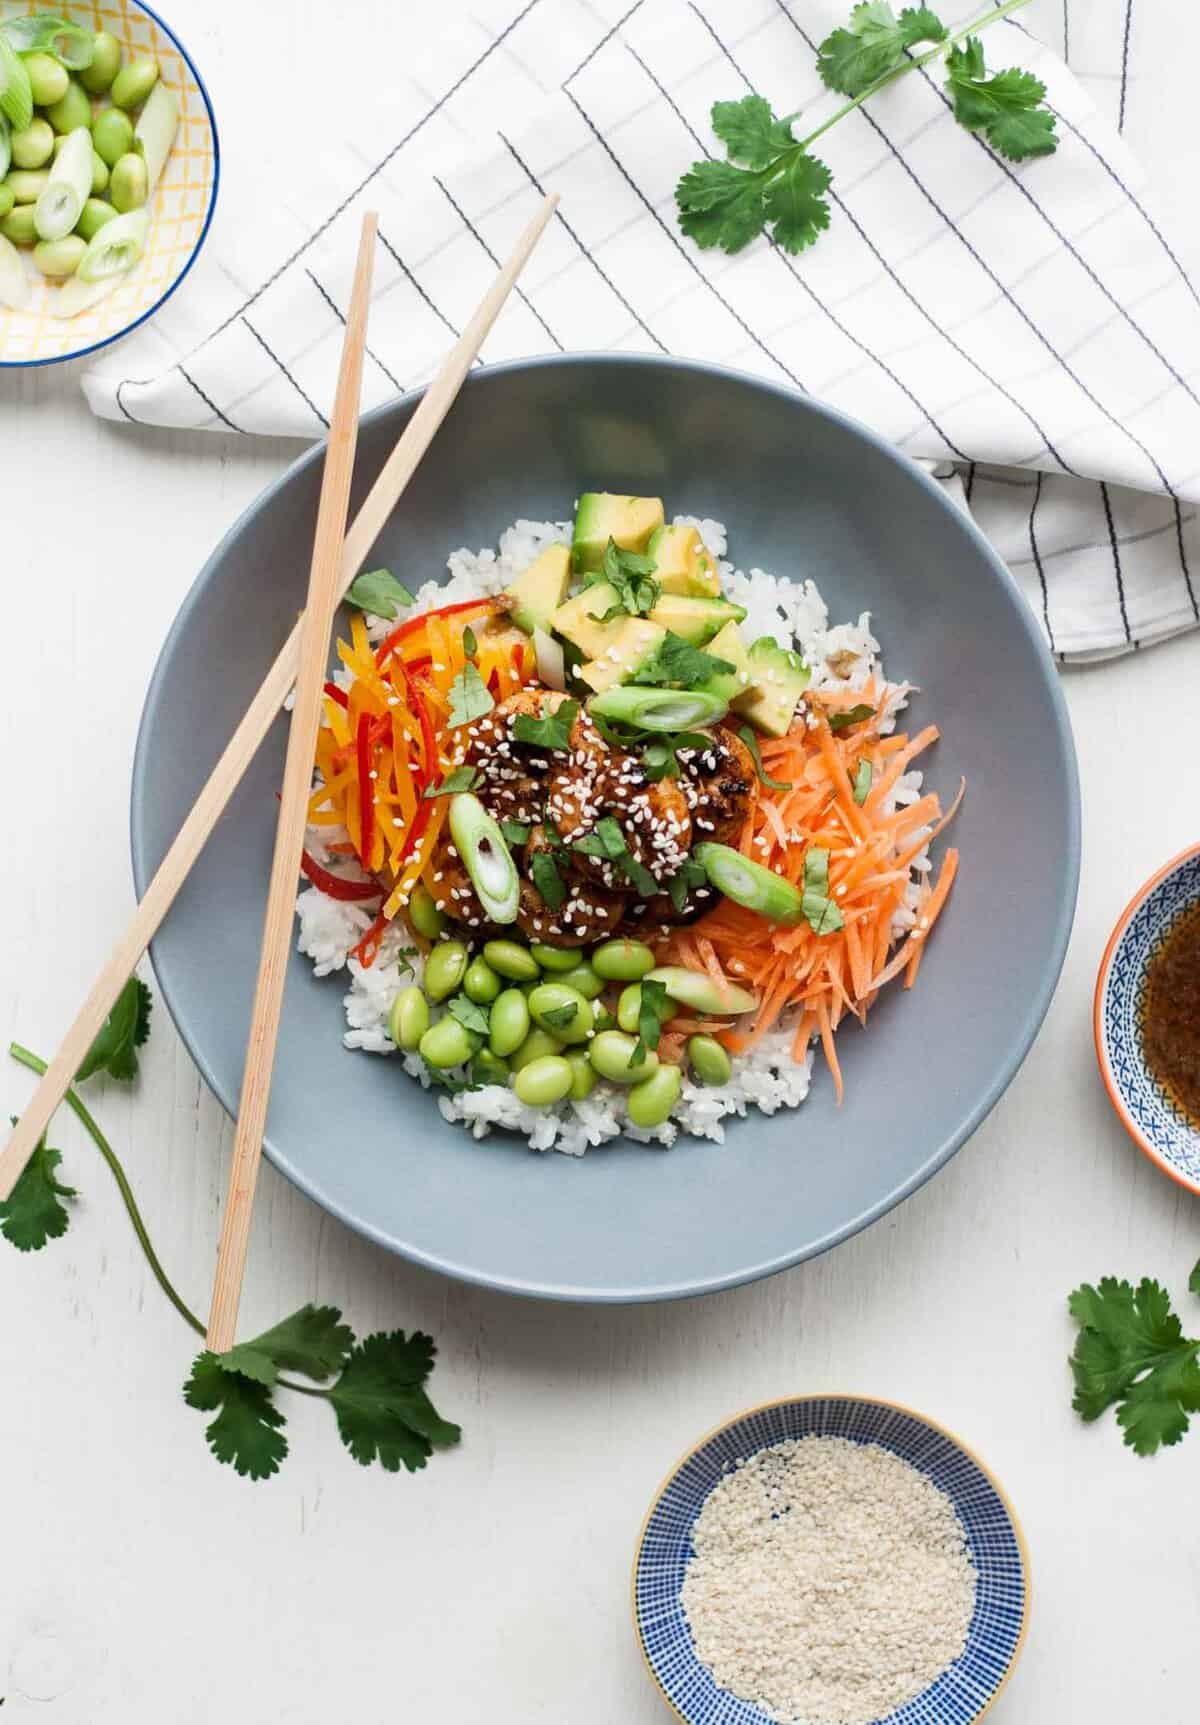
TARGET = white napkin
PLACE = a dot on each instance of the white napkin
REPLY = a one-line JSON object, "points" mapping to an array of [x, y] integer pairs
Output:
{"points": [[1030, 330]]}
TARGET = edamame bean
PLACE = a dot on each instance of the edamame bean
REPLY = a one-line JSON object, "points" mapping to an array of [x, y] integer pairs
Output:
{"points": [[508, 1022], [112, 135], [554, 957], [583, 1079], [59, 257], [92, 217], [709, 1061], [72, 109], [423, 914], [622, 960], [515, 962], [488, 1068], [448, 1043], [629, 1007], [445, 968], [133, 83], [651, 1102], [611, 1054], [99, 174], [106, 63], [544, 1081], [481, 984], [409, 1018], [604, 1019], [48, 78], [583, 980], [6, 199], [18, 227], [561, 1010], [27, 185], [129, 183], [537, 1044], [33, 147]]}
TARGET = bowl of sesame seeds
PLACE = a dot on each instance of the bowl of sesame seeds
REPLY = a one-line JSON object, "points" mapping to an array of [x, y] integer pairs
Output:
{"points": [[830, 1560]]}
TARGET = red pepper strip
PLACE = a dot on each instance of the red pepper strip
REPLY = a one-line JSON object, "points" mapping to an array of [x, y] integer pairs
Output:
{"points": [[519, 658], [333, 885], [366, 789], [428, 739], [367, 950], [338, 695], [390, 642]]}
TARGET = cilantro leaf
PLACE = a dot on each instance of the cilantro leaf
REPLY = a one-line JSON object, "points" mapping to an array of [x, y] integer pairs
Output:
{"points": [[515, 832], [748, 736], [383, 1412], [680, 884], [862, 782], [606, 840], [653, 1011], [632, 575], [379, 592], [470, 642], [659, 761], [470, 697], [469, 1014], [404, 957], [553, 731], [543, 871], [750, 131], [721, 205], [313, 1340], [121, 1035], [677, 661], [795, 203], [1006, 108], [32, 1216], [247, 1431], [461, 779], [850, 716], [872, 44], [558, 1017], [823, 914], [1131, 1351], [1194, 1281]]}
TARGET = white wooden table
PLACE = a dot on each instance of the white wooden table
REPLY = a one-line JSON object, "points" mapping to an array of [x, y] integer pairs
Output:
{"points": [[141, 1583]]}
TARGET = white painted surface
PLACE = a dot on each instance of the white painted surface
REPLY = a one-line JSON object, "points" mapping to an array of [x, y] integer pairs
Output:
{"points": [[141, 1583]]}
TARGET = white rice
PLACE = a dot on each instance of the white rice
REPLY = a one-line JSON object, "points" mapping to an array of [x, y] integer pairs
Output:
{"points": [[768, 1078]]}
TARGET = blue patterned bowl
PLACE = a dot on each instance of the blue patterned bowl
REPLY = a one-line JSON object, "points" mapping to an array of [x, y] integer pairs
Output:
{"points": [[1148, 1113], [961, 1694]]}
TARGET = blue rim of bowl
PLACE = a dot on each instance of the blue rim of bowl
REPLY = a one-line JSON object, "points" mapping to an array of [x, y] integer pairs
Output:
{"points": [[128, 329], [862, 1401], [1115, 1094], [974, 1116]]}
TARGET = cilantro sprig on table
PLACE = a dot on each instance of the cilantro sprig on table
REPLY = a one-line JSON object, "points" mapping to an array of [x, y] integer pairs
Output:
{"points": [[1131, 1353], [772, 180], [375, 1387]]}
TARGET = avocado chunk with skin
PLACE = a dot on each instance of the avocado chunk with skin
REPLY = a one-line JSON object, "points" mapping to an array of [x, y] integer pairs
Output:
{"points": [[536, 595], [603, 515], [727, 644], [684, 564], [578, 620], [636, 642], [693, 619], [780, 678]]}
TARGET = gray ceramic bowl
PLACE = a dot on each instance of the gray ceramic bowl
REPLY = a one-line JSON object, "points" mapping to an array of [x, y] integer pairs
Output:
{"points": [[804, 492]]}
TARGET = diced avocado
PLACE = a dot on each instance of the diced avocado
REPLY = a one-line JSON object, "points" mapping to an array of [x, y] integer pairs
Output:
{"points": [[577, 619], [695, 620], [780, 678], [728, 645], [684, 562], [535, 596], [636, 641], [602, 516]]}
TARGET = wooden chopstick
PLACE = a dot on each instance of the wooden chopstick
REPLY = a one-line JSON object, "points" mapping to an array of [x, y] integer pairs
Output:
{"points": [[316, 624], [225, 777]]}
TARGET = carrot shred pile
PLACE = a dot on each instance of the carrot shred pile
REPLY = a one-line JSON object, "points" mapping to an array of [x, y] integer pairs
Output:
{"points": [[872, 847]]}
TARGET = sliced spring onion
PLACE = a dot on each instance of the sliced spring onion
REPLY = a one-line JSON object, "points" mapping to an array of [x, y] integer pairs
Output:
{"points": [[67, 190], [68, 42], [658, 709], [551, 666], [486, 857], [750, 884], [16, 92], [695, 988], [116, 247], [14, 278], [5, 147], [155, 132]]}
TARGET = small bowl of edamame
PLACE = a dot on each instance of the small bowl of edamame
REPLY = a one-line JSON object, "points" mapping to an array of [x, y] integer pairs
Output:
{"points": [[110, 165]]}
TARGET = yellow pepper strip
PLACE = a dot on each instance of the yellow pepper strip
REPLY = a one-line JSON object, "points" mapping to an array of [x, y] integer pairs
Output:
{"points": [[406, 790]]}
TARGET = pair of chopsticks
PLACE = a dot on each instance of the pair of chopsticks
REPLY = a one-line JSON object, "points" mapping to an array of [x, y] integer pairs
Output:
{"points": [[338, 555]]}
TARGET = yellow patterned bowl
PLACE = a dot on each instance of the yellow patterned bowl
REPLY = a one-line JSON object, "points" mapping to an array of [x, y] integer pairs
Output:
{"points": [[180, 212]]}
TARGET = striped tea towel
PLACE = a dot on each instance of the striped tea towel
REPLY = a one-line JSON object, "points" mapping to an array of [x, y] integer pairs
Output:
{"points": [[1030, 330]]}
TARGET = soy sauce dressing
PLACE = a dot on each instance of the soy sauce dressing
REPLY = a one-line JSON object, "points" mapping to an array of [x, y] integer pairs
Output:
{"points": [[1171, 1013]]}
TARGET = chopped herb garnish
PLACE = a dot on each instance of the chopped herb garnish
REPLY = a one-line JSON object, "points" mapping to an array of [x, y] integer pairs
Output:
{"points": [[551, 732], [653, 1011], [607, 841], [447, 1081], [862, 781], [470, 697], [461, 779], [515, 832], [379, 592], [543, 871], [404, 957], [751, 741], [678, 662], [558, 1017], [851, 716], [631, 574], [823, 915], [660, 757], [470, 644], [680, 885], [470, 1015]]}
